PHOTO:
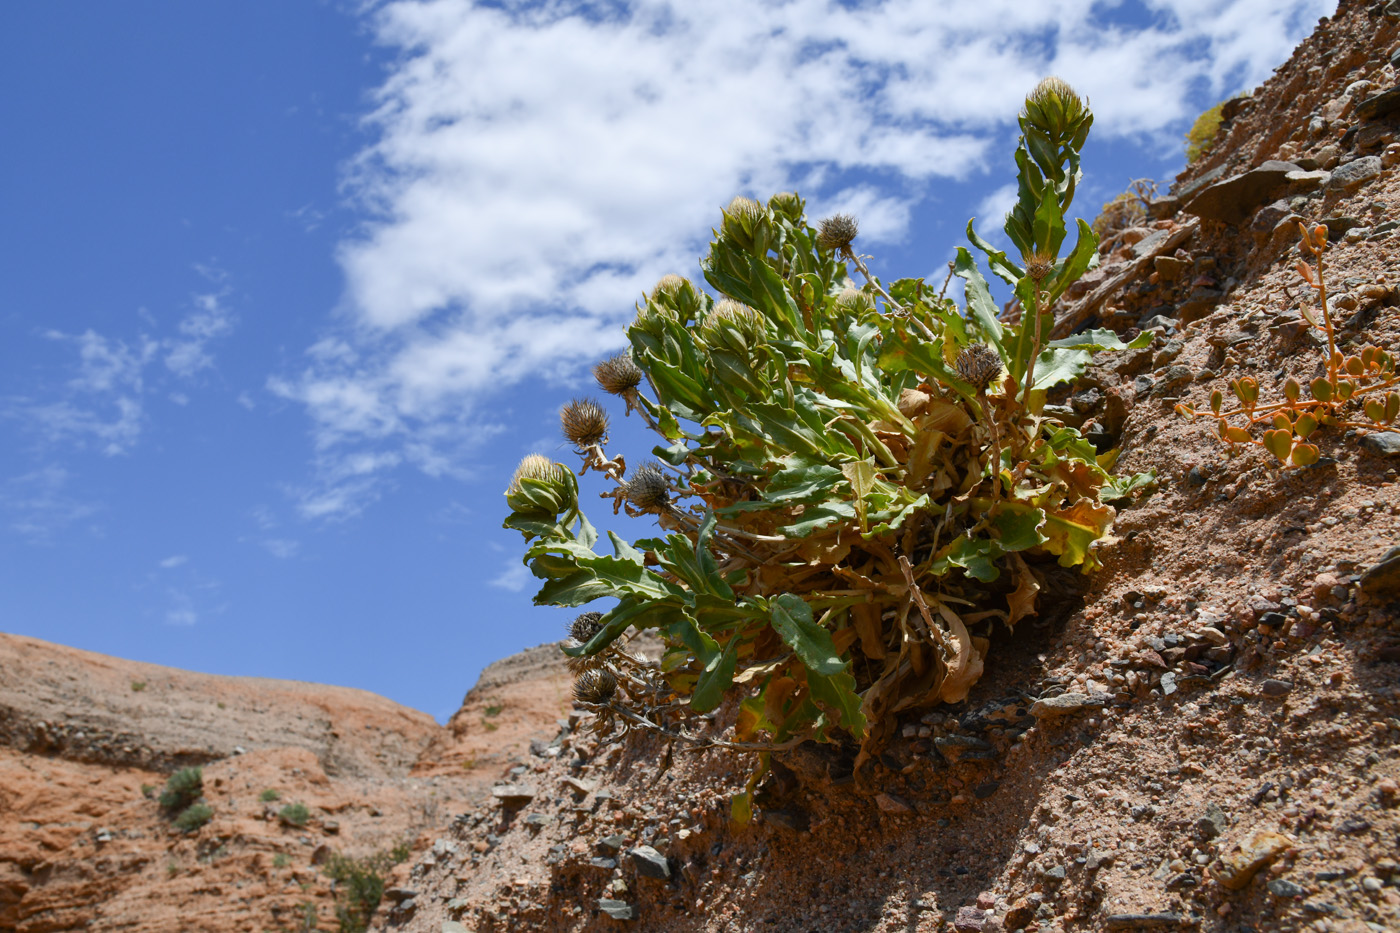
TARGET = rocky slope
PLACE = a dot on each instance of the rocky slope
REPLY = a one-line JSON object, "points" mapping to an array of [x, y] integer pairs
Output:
{"points": [[86, 741], [1207, 739]]}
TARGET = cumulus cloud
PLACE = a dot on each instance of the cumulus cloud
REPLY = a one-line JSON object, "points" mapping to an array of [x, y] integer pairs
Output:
{"points": [[537, 166]]}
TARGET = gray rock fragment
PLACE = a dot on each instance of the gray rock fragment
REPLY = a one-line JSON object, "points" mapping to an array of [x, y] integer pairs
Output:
{"points": [[1382, 579], [650, 863], [1067, 703], [1355, 173], [1235, 198], [1382, 443]]}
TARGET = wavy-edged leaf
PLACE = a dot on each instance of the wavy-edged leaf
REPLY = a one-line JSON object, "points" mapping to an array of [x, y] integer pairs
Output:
{"points": [[830, 683]]}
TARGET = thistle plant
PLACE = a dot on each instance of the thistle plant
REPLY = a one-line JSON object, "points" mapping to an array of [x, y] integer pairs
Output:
{"points": [[1352, 393], [857, 485]]}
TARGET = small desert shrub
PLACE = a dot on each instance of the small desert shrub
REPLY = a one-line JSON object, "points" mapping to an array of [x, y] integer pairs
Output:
{"points": [[494, 709], [359, 888], [1128, 209], [148, 791], [1201, 136], [137, 686], [280, 860], [269, 796], [294, 814], [400, 853], [193, 817], [183, 788]]}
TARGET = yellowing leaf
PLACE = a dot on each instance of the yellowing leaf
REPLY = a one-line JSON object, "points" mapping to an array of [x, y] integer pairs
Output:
{"points": [[1070, 533]]}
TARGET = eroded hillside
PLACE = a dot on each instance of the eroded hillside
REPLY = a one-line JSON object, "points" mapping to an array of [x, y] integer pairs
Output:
{"points": [[1208, 738]]}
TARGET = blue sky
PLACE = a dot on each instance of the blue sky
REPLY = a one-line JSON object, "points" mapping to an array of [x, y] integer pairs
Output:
{"points": [[289, 287]]}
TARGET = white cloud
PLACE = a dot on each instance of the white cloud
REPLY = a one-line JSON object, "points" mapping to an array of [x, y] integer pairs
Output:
{"points": [[38, 505], [104, 402], [513, 578], [170, 563], [189, 353], [283, 548], [537, 166]]}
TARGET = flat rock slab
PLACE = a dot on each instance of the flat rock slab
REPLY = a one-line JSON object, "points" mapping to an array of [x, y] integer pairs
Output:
{"points": [[1067, 703], [1383, 104], [513, 794], [1235, 198], [618, 910], [1382, 579], [1144, 921], [1382, 443], [1355, 173]]}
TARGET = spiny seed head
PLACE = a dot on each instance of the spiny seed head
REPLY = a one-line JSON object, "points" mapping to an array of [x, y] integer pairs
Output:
{"points": [[1039, 266], [585, 626], [648, 489], [837, 232], [535, 466], [979, 365], [595, 686], [585, 423], [618, 375]]}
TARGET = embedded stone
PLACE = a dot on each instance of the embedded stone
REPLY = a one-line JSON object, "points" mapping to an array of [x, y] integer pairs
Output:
{"points": [[1067, 703], [1235, 868], [1235, 198], [650, 863], [1355, 173]]}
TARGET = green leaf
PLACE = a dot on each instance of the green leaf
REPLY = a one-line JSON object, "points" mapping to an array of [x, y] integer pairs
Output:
{"points": [[1001, 267], [1017, 525], [715, 679], [1058, 365], [1101, 339], [708, 657], [1082, 258], [1121, 488], [827, 678], [597, 576], [974, 555], [772, 296], [816, 517], [801, 478], [980, 306], [1049, 224]]}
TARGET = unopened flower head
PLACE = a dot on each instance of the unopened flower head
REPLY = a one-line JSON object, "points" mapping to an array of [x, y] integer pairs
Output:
{"points": [[837, 232], [595, 686], [979, 366], [585, 423], [649, 489], [855, 300], [744, 208], [1055, 108], [535, 466], [618, 375]]}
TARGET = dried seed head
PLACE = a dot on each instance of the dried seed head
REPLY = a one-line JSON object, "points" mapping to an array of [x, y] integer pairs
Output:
{"points": [[979, 365], [585, 423], [618, 375], [649, 489], [595, 686], [535, 466], [585, 626], [837, 232], [1040, 266]]}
